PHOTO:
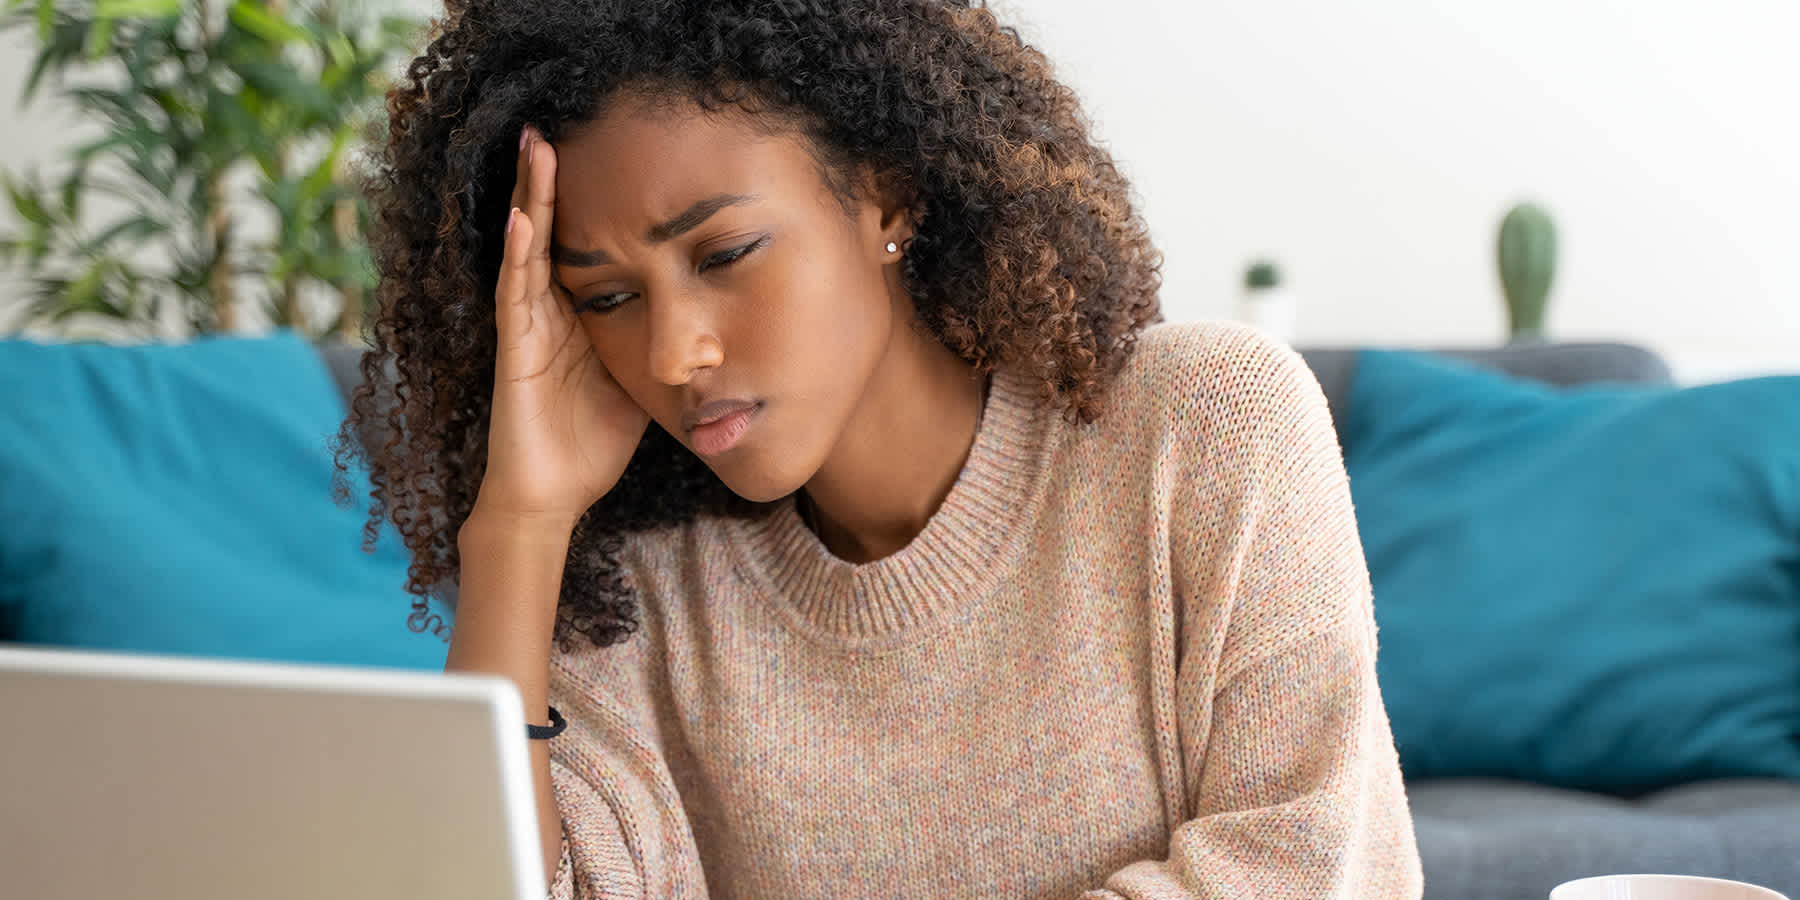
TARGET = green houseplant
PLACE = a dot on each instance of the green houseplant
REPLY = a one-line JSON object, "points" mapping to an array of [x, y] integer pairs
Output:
{"points": [[223, 179], [1527, 257]]}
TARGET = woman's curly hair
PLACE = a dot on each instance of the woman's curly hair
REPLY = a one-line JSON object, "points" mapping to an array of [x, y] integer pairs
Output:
{"points": [[1027, 252]]}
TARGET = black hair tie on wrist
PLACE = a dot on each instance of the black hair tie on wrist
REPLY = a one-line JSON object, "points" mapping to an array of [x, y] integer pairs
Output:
{"points": [[546, 732]]}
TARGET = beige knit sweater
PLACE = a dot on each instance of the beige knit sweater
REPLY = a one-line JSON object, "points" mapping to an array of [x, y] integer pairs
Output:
{"points": [[1129, 659]]}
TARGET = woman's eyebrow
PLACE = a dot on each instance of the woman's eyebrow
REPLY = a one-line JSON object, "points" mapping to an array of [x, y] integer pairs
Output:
{"points": [[690, 218], [685, 221]]}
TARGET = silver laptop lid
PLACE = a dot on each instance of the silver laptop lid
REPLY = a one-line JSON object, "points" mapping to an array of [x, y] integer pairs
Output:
{"points": [[165, 777]]}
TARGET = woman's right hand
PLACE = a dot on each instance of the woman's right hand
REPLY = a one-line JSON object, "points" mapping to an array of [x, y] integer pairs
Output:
{"points": [[561, 430]]}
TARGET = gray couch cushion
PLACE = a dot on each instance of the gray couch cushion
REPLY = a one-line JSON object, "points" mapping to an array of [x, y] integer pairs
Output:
{"points": [[344, 361], [1565, 364], [1487, 839]]}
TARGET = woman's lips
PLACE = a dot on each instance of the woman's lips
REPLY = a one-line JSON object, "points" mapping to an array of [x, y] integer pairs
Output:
{"points": [[723, 432]]}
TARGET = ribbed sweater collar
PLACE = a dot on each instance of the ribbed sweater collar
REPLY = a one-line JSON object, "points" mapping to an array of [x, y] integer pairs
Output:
{"points": [[953, 564]]}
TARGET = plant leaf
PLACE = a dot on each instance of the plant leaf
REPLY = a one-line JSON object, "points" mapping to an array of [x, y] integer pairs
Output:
{"points": [[57, 46], [253, 18], [137, 9], [39, 66], [84, 295], [99, 38], [70, 193], [134, 229], [27, 203], [287, 89]]}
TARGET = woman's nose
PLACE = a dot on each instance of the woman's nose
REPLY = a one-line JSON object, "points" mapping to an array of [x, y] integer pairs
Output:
{"points": [[682, 342]]}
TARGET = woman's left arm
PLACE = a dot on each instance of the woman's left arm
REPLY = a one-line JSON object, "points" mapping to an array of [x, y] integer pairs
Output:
{"points": [[1292, 785], [1299, 794]]}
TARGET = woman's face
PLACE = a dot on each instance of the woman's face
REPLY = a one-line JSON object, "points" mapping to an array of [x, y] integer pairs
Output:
{"points": [[716, 272]]}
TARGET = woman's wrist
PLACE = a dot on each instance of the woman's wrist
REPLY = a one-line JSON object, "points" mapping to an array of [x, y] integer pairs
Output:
{"points": [[510, 585], [486, 527]]}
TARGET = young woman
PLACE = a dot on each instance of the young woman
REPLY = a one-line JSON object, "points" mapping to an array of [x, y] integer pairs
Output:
{"points": [[774, 381]]}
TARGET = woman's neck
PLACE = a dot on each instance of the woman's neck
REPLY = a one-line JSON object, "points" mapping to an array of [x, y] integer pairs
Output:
{"points": [[900, 453]]}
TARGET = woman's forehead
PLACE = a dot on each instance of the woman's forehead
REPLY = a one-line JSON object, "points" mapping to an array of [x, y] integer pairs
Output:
{"points": [[638, 167]]}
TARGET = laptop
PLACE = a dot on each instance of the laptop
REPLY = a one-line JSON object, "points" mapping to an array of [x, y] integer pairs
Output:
{"points": [[170, 778]]}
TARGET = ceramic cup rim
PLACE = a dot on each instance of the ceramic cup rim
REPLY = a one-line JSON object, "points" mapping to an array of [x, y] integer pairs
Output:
{"points": [[1765, 893]]}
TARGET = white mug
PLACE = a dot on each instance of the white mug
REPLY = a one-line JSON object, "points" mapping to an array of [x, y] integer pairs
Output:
{"points": [[1660, 887]]}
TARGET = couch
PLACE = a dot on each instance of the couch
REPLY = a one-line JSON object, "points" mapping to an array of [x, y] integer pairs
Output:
{"points": [[1480, 838], [1493, 839]]}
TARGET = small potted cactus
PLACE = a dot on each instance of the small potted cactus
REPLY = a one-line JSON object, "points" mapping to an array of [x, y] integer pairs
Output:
{"points": [[1527, 265], [1266, 303]]}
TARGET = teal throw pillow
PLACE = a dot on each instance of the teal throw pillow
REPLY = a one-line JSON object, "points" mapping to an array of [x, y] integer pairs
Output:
{"points": [[177, 498], [1595, 587]]}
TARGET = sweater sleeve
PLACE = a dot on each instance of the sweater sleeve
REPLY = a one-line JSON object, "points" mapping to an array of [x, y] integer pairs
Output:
{"points": [[625, 833], [1299, 795], [1291, 785], [592, 834]]}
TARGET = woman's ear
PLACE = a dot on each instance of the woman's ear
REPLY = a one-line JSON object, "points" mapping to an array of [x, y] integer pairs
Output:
{"points": [[893, 200]]}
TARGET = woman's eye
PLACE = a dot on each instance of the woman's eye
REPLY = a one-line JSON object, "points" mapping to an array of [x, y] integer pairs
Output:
{"points": [[727, 257], [602, 302]]}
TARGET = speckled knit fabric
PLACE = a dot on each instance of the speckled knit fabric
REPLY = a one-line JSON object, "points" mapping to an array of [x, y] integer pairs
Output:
{"points": [[1128, 659]]}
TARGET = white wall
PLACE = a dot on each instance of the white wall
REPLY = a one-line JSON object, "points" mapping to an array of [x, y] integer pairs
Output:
{"points": [[1372, 147]]}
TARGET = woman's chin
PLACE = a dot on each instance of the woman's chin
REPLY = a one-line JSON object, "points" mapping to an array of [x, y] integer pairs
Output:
{"points": [[758, 484], [758, 496]]}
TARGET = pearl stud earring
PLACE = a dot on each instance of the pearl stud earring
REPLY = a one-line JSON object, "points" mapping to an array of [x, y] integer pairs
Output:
{"points": [[892, 247]]}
